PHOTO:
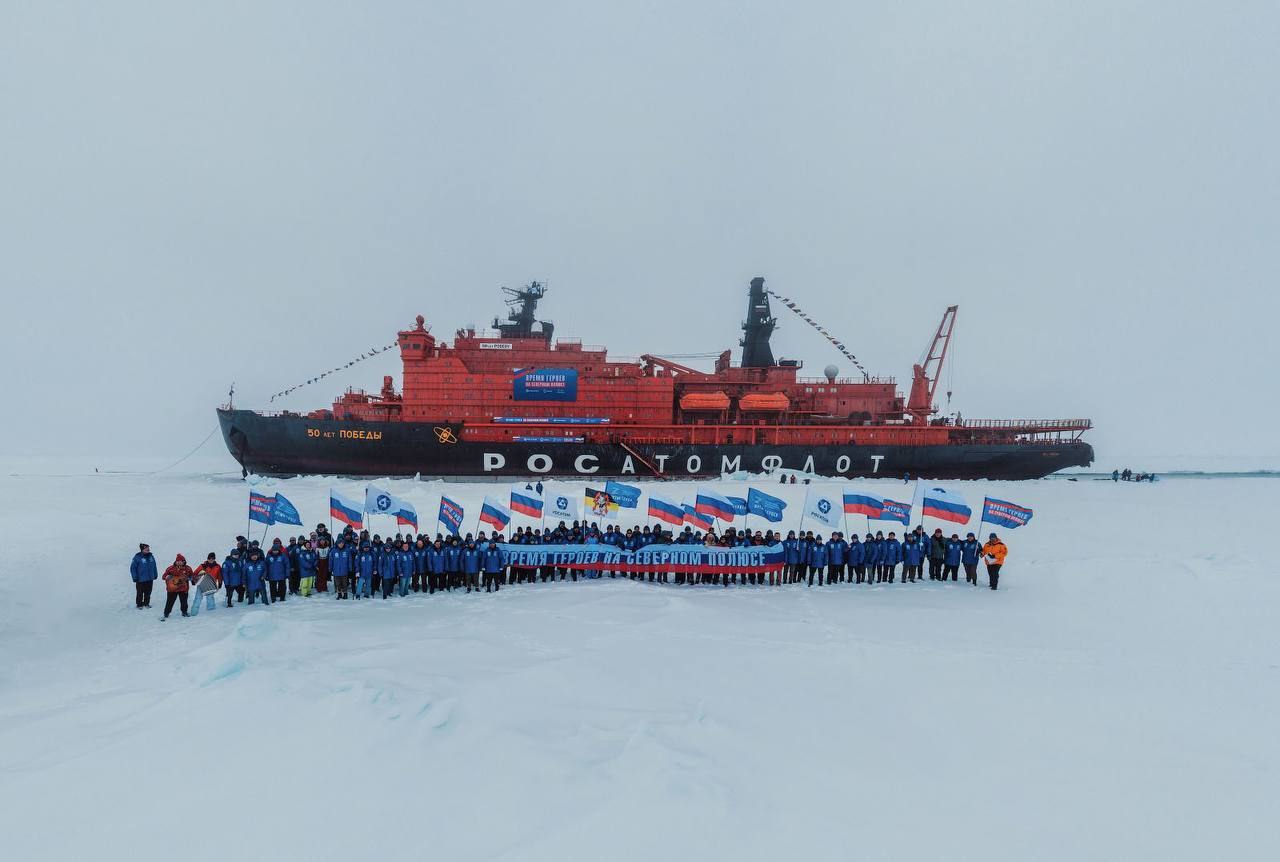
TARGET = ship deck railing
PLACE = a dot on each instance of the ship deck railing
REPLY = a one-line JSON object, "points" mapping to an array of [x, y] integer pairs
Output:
{"points": [[1026, 424]]}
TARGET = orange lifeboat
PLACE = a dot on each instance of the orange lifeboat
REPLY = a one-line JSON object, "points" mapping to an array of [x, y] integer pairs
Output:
{"points": [[774, 402], [704, 401]]}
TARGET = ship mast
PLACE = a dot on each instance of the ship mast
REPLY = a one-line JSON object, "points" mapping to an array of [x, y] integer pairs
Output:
{"points": [[523, 303], [758, 328]]}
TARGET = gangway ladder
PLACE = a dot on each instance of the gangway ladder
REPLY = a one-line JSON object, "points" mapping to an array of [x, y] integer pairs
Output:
{"points": [[634, 454]]}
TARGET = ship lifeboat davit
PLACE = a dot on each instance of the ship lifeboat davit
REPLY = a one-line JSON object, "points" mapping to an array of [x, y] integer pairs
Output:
{"points": [[773, 402], [704, 401]]}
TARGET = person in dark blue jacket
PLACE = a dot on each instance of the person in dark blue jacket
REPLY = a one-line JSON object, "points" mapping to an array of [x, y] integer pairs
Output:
{"points": [[937, 553], [493, 564], [420, 567], [837, 551], [857, 559], [817, 559], [308, 565], [875, 552], [295, 569], [892, 555], [472, 562], [277, 570], [143, 572], [404, 568], [951, 563], [913, 553], [341, 567], [453, 563], [970, 553], [363, 563], [791, 556], [233, 575], [435, 566], [255, 576]]}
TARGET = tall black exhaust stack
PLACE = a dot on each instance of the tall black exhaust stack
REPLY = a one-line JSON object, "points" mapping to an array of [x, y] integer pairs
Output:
{"points": [[757, 329]]}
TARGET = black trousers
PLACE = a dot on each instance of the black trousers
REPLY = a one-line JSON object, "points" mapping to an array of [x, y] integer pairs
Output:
{"points": [[935, 569], [277, 591], [142, 592], [295, 583], [173, 597], [971, 572], [953, 571], [493, 580], [993, 574]]}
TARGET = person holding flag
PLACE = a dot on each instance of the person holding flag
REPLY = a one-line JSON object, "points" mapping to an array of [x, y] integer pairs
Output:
{"points": [[995, 553]]}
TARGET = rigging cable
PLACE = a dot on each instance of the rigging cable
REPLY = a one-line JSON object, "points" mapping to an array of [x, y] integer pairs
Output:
{"points": [[839, 345]]}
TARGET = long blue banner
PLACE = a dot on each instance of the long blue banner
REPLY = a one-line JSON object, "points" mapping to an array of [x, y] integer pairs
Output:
{"points": [[758, 559]]}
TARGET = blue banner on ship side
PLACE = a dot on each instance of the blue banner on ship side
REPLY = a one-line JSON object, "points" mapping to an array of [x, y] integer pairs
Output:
{"points": [[545, 384]]}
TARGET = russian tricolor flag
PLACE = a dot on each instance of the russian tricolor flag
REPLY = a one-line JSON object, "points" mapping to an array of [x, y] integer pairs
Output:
{"points": [[695, 518], [494, 513], [527, 502], [711, 503], [346, 510], [862, 503], [946, 506], [665, 510]]}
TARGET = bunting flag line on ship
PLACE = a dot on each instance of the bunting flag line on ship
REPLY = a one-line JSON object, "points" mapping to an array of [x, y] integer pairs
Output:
{"points": [[361, 358], [835, 342]]}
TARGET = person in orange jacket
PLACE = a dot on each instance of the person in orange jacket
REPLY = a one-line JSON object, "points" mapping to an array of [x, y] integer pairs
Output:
{"points": [[177, 580], [994, 553]]}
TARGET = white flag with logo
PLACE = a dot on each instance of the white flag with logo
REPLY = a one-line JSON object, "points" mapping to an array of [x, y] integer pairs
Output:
{"points": [[824, 506], [561, 505]]}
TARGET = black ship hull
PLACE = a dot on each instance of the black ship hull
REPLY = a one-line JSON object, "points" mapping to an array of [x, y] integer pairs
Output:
{"points": [[295, 445]]}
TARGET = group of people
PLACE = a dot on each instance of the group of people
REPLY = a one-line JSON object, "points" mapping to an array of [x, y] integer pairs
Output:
{"points": [[1127, 475], [361, 566]]}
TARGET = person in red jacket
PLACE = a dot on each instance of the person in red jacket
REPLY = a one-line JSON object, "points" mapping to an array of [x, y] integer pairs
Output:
{"points": [[177, 580]]}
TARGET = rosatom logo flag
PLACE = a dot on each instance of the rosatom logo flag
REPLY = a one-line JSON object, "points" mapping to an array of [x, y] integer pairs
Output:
{"points": [[527, 500], [260, 506], [284, 512], [822, 507], [945, 505], [494, 513], [562, 506], [346, 510], [599, 504], [450, 515], [765, 505], [1004, 514], [626, 496]]}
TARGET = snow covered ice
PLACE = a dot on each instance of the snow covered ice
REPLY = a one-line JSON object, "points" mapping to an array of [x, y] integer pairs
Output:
{"points": [[1115, 699]]}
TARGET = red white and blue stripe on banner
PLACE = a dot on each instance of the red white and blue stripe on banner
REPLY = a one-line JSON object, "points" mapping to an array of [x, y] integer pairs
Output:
{"points": [[450, 515], [892, 510], [1004, 513], [260, 507], [666, 511], [860, 503], [345, 510], [696, 519], [711, 503], [526, 502], [493, 513], [946, 506]]}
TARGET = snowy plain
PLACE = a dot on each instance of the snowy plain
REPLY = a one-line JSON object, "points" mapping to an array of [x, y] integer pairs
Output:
{"points": [[1115, 699]]}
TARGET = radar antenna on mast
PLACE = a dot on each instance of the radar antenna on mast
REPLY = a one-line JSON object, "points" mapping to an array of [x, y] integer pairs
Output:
{"points": [[523, 303]]}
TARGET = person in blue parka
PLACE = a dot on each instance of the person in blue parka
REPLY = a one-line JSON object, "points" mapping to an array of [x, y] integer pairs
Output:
{"points": [[233, 575], [143, 572], [405, 566], [421, 568], [970, 553], [255, 576], [308, 566], [493, 565], [277, 570], [472, 561], [874, 548], [790, 557], [435, 567], [339, 566], [892, 555], [856, 559], [913, 554], [951, 562], [817, 559], [363, 563], [453, 562]]}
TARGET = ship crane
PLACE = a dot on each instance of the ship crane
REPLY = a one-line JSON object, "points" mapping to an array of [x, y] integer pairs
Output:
{"points": [[925, 376]]}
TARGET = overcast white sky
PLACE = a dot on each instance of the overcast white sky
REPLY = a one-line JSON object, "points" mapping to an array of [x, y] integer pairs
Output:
{"points": [[196, 193]]}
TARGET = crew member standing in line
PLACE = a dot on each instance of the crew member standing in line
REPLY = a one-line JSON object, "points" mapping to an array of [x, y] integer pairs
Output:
{"points": [[308, 563], [323, 547], [937, 553], [255, 575], [951, 564], [492, 567], [143, 572], [817, 559], [177, 580], [277, 570], [994, 552], [970, 552], [233, 575]]}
